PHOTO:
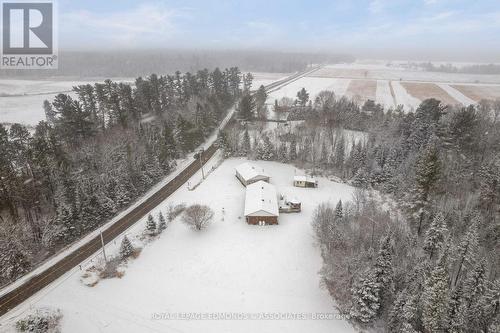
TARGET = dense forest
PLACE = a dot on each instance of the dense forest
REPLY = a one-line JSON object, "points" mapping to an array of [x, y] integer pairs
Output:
{"points": [[96, 153], [417, 247], [138, 63]]}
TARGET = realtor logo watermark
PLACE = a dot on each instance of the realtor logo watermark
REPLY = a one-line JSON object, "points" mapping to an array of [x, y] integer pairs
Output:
{"points": [[28, 35]]}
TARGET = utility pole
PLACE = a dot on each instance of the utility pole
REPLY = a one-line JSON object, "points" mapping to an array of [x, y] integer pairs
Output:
{"points": [[201, 164], [103, 250]]}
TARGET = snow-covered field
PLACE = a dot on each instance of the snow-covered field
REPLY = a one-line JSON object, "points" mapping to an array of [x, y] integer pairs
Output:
{"points": [[313, 86], [384, 95], [21, 101], [230, 267], [264, 78], [357, 79], [382, 71]]}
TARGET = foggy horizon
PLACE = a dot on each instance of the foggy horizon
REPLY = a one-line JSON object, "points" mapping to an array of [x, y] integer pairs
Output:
{"points": [[404, 54], [436, 30]]}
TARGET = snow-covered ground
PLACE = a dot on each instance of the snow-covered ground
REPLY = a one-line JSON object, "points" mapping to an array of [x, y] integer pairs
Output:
{"points": [[27, 110], [264, 78], [403, 97], [369, 70], [21, 101], [457, 94], [230, 267], [384, 95], [313, 86]]}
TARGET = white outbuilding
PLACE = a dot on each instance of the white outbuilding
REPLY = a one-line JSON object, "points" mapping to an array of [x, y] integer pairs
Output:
{"points": [[248, 173], [261, 204], [304, 181]]}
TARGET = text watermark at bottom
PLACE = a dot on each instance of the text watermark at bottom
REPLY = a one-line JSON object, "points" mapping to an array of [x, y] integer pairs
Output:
{"points": [[248, 316]]}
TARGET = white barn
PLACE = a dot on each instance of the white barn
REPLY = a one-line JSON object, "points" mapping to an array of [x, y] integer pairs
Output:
{"points": [[261, 204], [248, 173]]}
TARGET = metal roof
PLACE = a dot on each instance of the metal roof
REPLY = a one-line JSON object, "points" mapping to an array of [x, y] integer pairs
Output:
{"points": [[261, 200], [249, 171]]}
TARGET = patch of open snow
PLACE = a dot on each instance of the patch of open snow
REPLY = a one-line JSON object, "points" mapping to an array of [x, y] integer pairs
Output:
{"points": [[229, 267], [397, 71], [264, 78], [457, 95], [403, 97], [383, 94], [27, 109], [313, 85]]}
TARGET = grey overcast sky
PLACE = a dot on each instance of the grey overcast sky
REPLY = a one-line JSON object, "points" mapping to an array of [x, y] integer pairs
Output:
{"points": [[454, 29]]}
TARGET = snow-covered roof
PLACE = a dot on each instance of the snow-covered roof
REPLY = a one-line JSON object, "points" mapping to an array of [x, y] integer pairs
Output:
{"points": [[249, 171], [304, 179], [261, 200]]}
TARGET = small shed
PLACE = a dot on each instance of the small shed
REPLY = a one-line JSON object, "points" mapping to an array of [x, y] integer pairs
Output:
{"points": [[261, 204], [289, 205], [304, 181], [248, 174]]}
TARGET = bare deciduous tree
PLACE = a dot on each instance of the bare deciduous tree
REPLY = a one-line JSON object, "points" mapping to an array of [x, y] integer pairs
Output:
{"points": [[197, 216]]}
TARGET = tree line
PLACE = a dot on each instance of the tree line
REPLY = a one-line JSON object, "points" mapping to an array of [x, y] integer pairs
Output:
{"points": [[100, 147]]}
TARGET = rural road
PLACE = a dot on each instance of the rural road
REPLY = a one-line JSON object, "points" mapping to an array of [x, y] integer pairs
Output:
{"points": [[9, 300]]}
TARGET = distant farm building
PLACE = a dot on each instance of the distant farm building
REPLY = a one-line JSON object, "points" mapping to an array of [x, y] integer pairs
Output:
{"points": [[261, 204], [305, 181], [248, 174]]}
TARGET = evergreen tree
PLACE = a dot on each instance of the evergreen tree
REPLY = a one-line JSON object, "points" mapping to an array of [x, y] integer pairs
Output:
{"points": [[260, 96], [474, 287], [50, 114], [282, 153], [435, 300], [246, 146], [183, 134], [126, 248], [426, 175], [13, 263], [403, 313], [302, 97], [339, 213], [383, 270], [167, 147], [151, 225], [162, 223], [247, 82], [260, 152], [488, 313], [223, 143], [456, 310], [246, 107], [435, 235], [365, 298], [467, 249], [268, 153], [360, 179], [340, 152], [293, 150]]}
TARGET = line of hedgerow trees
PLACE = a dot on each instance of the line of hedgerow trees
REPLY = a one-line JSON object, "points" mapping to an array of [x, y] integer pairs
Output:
{"points": [[100, 147], [427, 259]]}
